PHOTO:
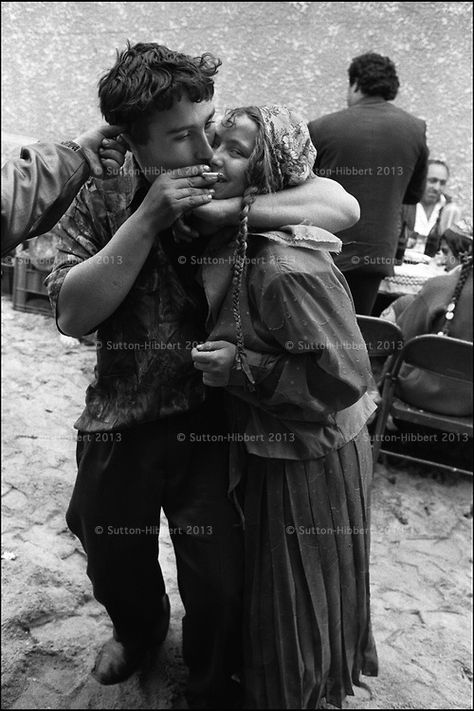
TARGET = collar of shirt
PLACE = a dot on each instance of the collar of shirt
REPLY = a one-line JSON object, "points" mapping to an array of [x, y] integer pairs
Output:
{"points": [[369, 100], [130, 182], [424, 224]]}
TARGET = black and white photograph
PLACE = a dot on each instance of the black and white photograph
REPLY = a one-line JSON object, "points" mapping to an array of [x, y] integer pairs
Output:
{"points": [[237, 328]]}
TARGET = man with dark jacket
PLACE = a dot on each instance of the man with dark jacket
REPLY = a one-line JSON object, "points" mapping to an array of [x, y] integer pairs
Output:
{"points": [[378, 153]]}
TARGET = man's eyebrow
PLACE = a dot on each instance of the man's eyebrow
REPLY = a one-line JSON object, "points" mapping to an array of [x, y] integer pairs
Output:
{"points": [[192, 125]]}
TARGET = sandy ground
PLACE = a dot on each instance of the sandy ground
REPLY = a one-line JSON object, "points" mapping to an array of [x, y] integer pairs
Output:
{"points": [[52, 627]]}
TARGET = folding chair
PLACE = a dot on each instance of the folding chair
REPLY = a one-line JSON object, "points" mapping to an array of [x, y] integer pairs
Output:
{"points": [[440, 355], [382, 338]]}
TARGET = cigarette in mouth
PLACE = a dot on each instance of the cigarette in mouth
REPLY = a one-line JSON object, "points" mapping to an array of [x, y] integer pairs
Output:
{"points": [[212, 176]]}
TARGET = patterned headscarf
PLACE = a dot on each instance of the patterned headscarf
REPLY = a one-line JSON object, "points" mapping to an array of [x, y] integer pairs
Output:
{"points": [[292, 153]]}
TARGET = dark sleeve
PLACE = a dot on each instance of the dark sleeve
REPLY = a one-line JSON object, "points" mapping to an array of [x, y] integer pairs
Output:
{"points": [[323, 365], [416, 186], [313, 128], [37, 189]]}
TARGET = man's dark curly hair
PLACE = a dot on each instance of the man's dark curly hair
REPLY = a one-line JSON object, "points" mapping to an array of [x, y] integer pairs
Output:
{"points": [[375, 75], [149, 77]]}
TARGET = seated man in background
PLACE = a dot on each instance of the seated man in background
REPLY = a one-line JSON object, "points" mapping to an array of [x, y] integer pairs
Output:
{"points": [[430, 218]]}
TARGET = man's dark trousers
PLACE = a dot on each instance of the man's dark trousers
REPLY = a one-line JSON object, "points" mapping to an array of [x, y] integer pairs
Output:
{"points": [[124, 479], [364, 289]]}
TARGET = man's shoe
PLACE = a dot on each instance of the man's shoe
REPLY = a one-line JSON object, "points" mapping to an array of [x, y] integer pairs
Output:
{"points": [[116, 661]]}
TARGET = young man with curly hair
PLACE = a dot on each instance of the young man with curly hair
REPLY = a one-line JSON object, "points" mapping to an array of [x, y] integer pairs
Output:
{"points": [[378, 153], [151, 435]]}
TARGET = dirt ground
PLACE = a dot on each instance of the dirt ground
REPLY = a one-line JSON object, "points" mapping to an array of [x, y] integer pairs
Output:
{"points": [[52, 627]]}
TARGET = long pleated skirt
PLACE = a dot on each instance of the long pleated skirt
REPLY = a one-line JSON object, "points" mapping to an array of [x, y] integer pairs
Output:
{"points": [[307, 631]]}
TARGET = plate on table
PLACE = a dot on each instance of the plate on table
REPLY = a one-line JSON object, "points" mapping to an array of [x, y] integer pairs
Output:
{"points": [[411, 256]]}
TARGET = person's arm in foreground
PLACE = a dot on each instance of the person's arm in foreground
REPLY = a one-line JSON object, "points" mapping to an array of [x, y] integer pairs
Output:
{"points": [[319, 201], [97, 284], [38, 188]]}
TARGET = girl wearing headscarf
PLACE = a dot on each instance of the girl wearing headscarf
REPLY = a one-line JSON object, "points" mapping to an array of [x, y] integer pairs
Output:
{"points": [[284, 341]]}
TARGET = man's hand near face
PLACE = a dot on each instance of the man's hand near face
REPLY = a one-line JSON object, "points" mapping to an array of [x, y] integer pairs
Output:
{"points": [[173, 194], [93, 289]]}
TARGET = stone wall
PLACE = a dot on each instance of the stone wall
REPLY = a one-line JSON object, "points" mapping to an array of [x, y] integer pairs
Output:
{"points": [[288, 52]]}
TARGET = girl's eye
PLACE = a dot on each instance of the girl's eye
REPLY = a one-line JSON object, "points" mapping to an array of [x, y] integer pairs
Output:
{"points": [[235, 152], [210, 125]]}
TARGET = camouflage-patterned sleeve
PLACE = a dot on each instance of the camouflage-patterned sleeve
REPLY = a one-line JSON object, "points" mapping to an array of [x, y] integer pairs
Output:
{"points": [[80, 234]]}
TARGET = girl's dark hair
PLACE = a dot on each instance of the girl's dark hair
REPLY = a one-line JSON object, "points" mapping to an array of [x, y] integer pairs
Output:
{"points": [[466, 269], [375, 75], [238, 269], [149, 77], [459, 244]]}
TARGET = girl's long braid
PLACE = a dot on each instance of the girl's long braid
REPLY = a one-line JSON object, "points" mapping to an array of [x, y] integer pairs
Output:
{"points": [[449, 315], [238, 268]]}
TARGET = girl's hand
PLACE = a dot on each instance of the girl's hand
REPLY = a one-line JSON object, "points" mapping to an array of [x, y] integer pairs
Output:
{"points": [[215, 359]]}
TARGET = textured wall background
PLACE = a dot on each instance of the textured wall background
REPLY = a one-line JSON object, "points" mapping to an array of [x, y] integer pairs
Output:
{"points": [[288, 52]]}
